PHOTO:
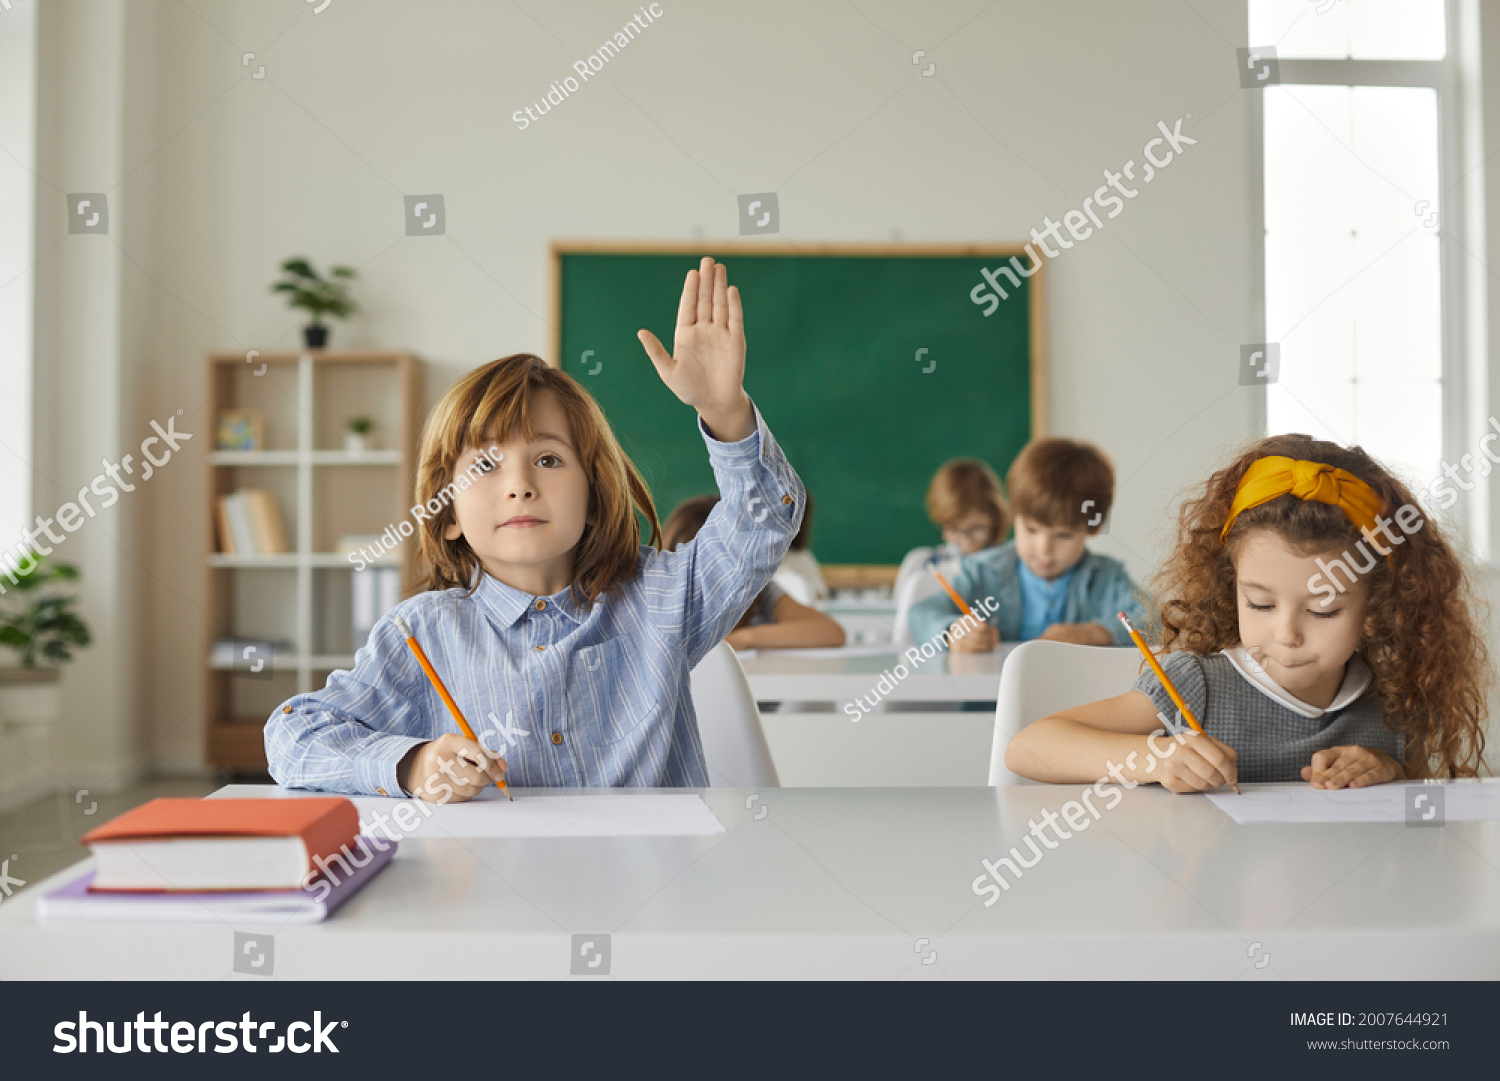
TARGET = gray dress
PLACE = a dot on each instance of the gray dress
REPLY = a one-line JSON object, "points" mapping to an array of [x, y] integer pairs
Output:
{"points": [[1273, 733]]}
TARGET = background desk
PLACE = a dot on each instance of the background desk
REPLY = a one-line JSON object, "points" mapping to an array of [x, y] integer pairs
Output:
{"points": [[866, 619], [861, 884], [918, 748]]}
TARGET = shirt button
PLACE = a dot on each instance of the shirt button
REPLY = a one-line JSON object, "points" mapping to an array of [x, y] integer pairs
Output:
{"points": [[540, 648], [786, 499], [286, 709], [380, 791], [557, 738], [541, 605]]}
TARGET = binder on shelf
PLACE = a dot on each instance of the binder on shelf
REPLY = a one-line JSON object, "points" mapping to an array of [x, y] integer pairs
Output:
{"points": [[250, 523], [375, 591], [226, 529]]}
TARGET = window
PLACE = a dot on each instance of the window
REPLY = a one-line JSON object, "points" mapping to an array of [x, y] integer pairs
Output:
{"points": [[1362, 217]]}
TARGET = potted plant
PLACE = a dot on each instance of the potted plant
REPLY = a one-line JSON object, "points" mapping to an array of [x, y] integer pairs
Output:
{"points": [[41, 626], [316, 295], [357, 439]]}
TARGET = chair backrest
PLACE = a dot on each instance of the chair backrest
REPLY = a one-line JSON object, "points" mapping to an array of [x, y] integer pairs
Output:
{"points": [[917, 587], [913, 582], [802, 563], [912, 563], [729, 723], [1039, 678], [794, 585]]}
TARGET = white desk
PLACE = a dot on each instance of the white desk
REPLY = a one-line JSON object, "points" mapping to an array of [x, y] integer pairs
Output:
{"points": [[835, 675], [864, 619], [844, 884], [904, 749]]}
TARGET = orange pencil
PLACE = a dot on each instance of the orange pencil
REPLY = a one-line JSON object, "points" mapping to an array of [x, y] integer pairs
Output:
{"points": [[463, 725], [962, 607], [1187, 714]]}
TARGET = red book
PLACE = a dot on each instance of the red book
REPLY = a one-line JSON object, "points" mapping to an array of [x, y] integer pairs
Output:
{"points": [[220, 844]]}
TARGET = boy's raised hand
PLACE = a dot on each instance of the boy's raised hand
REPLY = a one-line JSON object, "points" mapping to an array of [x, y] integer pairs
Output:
{"points": [[706, 369]]}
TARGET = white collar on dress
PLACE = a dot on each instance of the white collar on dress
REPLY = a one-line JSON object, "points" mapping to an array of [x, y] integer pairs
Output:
{"points": [[1357, 678]]}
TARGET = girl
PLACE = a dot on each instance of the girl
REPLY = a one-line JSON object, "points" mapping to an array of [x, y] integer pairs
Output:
{"points": [[774, 620], [1311, 640], [566, 643]]}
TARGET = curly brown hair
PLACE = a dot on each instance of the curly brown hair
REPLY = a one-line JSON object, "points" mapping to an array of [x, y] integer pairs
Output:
{"points": [[496, 399], [1431, 667]]}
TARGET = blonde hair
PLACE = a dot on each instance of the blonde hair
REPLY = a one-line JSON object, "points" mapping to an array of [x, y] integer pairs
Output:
{"points": [[964, 485], [493, 401]]}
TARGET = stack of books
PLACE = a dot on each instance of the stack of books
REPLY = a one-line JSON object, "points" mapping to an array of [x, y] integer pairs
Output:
{"points": [[250, 523], [185, 860]]}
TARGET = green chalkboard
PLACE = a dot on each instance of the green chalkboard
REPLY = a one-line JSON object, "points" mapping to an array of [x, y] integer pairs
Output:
{"points": [[832, 363]]}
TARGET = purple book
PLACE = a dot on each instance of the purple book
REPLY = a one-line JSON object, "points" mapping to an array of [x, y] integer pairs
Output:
{"points": [[311, 905]]}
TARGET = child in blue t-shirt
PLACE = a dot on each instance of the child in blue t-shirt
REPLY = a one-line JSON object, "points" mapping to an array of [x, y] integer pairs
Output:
{"points": [[1045, 583]]}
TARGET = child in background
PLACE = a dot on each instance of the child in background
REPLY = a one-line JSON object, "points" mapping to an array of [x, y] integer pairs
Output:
{"points": [[773, 620], [1046, 583], [1309, 646], [965, 502], [800, 561], [566, 642]]}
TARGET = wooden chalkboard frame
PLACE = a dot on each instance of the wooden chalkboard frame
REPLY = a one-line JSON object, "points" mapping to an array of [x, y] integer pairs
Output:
{"points": [[846, 576]]}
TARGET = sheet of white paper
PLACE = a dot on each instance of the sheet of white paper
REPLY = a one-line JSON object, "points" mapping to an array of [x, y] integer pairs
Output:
{"points": [[1271, 804], [492, 815]]}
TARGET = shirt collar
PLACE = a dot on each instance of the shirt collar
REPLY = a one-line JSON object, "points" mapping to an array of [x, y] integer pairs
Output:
{"points": [[505, 604], [1357, 679]]}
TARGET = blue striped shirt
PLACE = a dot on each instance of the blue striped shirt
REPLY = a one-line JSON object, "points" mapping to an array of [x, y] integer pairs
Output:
{"points": [[569, 698]]}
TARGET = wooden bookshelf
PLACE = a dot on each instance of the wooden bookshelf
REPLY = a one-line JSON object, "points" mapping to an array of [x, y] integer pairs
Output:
{"points": [[324, 492]]}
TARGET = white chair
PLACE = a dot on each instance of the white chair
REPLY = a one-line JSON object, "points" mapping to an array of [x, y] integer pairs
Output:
{"points": [[911, 564], [915, 582], [915, 588], [729, 723], [801, 563], [1040, 678], [794, 586]]}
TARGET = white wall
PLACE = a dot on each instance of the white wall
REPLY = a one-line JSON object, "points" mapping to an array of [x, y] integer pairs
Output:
{"points": [[225, 175], [17, 254]]}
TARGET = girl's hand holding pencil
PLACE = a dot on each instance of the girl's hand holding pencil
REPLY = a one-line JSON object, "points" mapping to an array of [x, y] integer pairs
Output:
{"points": [[1200, 762], [706, 369]]}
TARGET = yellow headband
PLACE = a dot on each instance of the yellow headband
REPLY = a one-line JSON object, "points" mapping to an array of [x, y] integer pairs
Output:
{"points": [[1268, 478]]}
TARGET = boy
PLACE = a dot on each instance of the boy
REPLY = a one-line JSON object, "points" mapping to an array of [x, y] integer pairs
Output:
{"points": [[1046, 584]]}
